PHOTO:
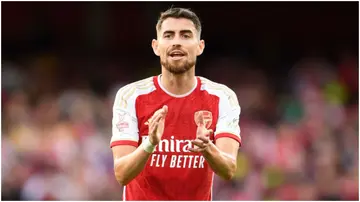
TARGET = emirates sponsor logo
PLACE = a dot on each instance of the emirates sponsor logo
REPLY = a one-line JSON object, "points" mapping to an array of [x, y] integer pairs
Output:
{"points": [[172, 145], [181, 160]]}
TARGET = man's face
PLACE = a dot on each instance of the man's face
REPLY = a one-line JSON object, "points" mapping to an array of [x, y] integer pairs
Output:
{"points": [[178, 45]]}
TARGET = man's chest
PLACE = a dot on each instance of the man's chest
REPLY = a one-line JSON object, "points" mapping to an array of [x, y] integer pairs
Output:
{"points": [[180, 122]]}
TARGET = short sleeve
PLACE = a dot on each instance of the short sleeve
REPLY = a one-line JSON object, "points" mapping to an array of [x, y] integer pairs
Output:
{"points": [[124, 121], [229, 116]]}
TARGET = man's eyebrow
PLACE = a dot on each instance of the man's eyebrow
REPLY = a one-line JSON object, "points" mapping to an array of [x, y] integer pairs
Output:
{"points": [[181, 31], [168, 32], [186, 31]]}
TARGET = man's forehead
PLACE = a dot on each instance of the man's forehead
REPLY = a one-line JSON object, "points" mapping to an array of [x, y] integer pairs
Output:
{"points": [[177, 24]]}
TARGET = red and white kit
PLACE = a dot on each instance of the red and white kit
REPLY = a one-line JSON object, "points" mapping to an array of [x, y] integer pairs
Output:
{"points": [[172, 171]]}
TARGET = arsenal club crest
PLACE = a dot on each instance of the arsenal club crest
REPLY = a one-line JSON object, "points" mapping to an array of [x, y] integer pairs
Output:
{"points": [[207, 116]]}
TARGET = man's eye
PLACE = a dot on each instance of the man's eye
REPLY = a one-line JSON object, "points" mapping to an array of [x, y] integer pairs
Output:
{"points": [[167, 36], [186, 36]]}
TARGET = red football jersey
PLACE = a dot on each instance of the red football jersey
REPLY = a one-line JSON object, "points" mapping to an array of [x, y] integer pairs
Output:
{"points": [[172, 171]]}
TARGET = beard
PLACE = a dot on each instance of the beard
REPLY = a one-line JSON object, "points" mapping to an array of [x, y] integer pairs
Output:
{"points": [[177, 67]]}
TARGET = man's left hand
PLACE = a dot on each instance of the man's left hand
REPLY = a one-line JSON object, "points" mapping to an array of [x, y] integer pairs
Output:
{"points": [[202, 141]]}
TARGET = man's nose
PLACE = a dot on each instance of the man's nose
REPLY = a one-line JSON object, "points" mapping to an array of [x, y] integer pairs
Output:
{"points": [[176, 45], [176, 42]]}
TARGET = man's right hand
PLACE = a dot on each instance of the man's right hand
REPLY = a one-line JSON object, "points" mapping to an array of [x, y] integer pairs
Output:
{"points": [[157, 125], [129, 161]]}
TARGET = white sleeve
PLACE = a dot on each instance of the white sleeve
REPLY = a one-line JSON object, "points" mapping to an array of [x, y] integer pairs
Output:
{"points": [[229, 115], [124, 121]]}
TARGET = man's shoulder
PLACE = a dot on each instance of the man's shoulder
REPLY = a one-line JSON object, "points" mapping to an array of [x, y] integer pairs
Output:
{"points": [[134, 89], [213, 87], [226, 95]]}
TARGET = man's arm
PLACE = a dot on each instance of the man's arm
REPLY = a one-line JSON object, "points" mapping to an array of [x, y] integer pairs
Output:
{"points": [[129, 161], [222, 155]]}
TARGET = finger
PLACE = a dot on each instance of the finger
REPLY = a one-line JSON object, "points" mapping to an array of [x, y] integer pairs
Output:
{"points": [[204, 139], [198, 143], [154, 123], [162, 110], [197, 118], [151, 119], [202, 131], [165, 109], [156, 113], [152, 128], [196, 149], [161, 121], [156, 119], [208, 133], [201, 119]]}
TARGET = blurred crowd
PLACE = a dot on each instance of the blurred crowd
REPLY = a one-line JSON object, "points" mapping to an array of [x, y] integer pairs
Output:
{"points": [[300, 143], [299, 131]]}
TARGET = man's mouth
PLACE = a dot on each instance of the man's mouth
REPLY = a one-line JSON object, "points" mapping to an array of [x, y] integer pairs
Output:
{"points": [[176, 54]]}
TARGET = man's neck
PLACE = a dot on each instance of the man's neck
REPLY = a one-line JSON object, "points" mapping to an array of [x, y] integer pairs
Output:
{"points": [[178, 84]]}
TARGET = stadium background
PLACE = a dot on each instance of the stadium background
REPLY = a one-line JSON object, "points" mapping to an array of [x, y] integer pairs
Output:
{"points": [[294, 67]]}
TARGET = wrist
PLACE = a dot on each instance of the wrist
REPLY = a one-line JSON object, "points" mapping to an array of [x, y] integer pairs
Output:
{"points": [[209, 150], [148, 146], [152, 141]]}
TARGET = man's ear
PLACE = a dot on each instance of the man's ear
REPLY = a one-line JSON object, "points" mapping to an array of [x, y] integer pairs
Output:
{"points": [[154, 45], [200, 48]]}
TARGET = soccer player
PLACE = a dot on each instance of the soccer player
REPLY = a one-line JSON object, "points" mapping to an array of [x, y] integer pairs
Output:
{"points": [[173, 131]]}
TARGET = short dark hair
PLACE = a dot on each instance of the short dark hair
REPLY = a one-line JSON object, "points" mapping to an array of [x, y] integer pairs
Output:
{"points": [[179, 13]]}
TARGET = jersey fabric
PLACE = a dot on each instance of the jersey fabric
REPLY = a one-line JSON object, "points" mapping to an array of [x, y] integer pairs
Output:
{"points": [[173, 172]]}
